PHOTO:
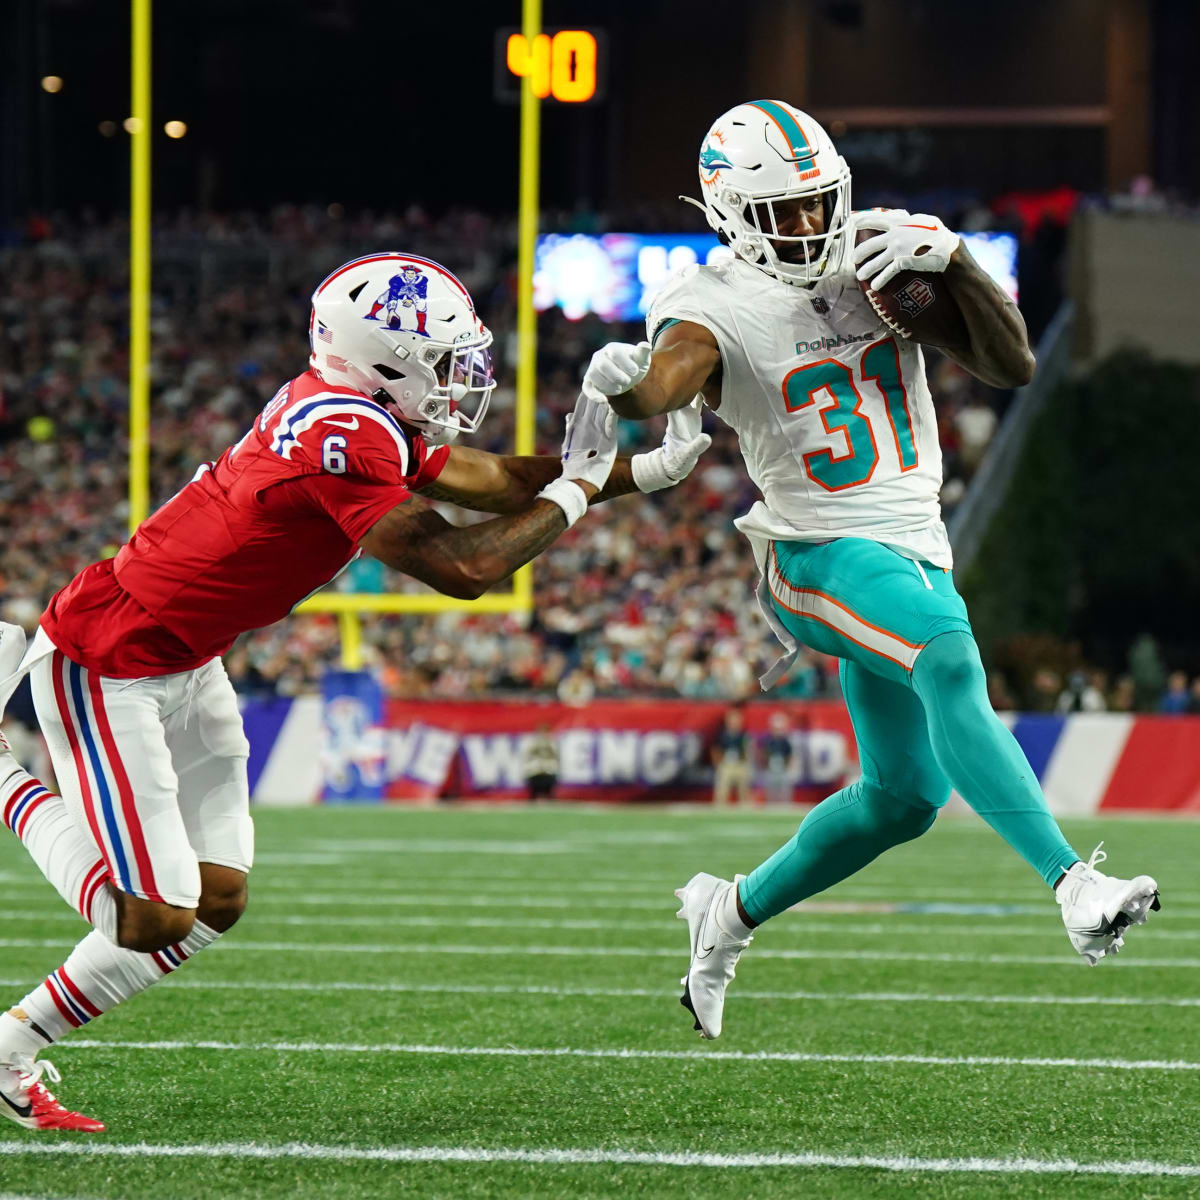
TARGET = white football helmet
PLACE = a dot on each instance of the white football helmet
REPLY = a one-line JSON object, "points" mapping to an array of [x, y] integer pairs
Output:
{"points": [[402, 325], [757, 155]]}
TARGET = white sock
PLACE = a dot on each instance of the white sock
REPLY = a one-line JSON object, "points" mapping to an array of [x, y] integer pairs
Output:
{"points": [[96, 977], [64, 853], [728, 919]]}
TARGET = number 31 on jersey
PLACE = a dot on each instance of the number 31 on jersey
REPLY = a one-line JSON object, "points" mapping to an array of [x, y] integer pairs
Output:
{"points": [[880, 364]]}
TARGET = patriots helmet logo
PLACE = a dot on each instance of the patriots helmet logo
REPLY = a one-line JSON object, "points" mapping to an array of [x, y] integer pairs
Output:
{"points": [[405, 304]]}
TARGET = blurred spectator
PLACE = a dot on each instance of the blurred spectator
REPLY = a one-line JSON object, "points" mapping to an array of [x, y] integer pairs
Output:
{"points": [[1082, 693], [539, 760], [998, 694], [975, 422], [1149, 674], [1178, 697], [732, 759], [1123, 695], [1047, 686], [777, 752]]}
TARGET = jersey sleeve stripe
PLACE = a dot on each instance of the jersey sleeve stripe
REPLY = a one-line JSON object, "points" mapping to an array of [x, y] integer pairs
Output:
{"points": [[662, 328], [303, 417]]}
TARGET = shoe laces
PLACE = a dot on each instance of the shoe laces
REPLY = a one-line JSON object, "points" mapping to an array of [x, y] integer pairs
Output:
{"points": [[31, 1073], [1098, 856]]}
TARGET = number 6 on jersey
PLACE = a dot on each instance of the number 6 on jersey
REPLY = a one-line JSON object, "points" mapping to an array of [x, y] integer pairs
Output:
{"points": [[333, 457]]}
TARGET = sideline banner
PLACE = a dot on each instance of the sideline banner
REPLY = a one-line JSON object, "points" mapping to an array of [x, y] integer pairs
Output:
{"points": [[610, 750], [631, 750], [353, 747]]}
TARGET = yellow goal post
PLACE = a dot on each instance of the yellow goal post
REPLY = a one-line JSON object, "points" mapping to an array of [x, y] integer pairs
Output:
{"points": [[349, 606]]}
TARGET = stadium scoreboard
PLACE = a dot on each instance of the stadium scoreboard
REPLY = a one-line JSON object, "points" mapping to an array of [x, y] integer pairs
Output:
{"points": [[566, 65]]}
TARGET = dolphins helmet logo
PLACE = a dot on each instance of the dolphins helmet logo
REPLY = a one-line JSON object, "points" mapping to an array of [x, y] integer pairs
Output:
{"points": [[713, 160]]}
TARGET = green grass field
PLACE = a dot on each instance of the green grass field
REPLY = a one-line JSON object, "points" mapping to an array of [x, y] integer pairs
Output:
{"points": [[485, 1003]]}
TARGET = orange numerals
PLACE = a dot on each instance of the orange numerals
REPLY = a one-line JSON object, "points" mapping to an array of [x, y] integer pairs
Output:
{"points": [[562, 66]]}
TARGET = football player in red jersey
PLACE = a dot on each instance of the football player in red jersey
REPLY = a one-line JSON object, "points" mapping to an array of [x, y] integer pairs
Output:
{"points": [[151, 840]]}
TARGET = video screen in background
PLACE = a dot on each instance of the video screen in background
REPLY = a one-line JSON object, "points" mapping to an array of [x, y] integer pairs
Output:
{"points": [[617, 275]]}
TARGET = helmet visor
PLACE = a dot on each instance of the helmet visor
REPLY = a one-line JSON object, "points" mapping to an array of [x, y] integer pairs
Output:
{"points": [[465, 381]]}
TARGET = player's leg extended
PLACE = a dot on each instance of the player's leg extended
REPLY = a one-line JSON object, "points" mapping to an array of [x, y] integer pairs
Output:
{"points": [[209, 751], [110, 756], [981, 757], [907, 622], [894, 801], [987, 767]]}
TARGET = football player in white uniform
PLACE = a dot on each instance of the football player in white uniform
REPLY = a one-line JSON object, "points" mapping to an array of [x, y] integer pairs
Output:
{"points": [[838, 432]]}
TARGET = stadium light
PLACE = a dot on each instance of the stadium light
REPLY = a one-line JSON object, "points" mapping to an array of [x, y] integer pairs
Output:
{"points": [[107, 128], [132, 125], [175, 129], [52, 83]]}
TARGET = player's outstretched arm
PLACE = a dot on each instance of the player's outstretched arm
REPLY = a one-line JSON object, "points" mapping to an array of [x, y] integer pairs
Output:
{"points": [[999, 355], [642, 383], [462, 561], [465, 562], [509, 483]]}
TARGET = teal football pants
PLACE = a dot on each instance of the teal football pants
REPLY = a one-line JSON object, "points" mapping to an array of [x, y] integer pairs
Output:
{"points": [[917, 696]]}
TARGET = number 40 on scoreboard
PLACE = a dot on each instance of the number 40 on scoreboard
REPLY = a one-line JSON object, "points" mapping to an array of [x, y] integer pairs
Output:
{"points": [[564, 65]]}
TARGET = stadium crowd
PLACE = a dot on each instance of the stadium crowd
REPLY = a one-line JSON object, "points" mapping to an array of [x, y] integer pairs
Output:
{"points": [[649, 594]]}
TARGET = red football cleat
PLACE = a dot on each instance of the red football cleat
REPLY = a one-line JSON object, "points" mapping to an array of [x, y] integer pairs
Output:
{"points": [[24, 1098]]}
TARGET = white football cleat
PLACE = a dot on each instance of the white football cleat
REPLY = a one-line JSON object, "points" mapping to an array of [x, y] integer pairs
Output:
{"points": [[714, 952], [1097, 909]]}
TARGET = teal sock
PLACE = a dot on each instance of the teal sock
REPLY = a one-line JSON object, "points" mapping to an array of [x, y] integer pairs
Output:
{"points": [[981, 758], [840, 836]]}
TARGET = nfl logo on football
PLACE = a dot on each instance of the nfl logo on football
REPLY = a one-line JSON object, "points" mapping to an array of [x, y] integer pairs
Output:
{"points": [[915, 296]]}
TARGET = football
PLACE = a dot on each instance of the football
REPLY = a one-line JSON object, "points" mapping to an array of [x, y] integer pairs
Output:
{"points": [[918, 305]]}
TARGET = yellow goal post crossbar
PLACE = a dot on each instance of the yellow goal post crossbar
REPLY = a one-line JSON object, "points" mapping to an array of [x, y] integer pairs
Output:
{"points": [[347, 605]]}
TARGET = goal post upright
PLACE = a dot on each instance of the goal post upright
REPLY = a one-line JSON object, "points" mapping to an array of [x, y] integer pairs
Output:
{"points": [[138, 127]]}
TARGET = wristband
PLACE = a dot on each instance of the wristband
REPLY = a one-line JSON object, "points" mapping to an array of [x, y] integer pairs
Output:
{"points": [[650, 472], [568, 495]]}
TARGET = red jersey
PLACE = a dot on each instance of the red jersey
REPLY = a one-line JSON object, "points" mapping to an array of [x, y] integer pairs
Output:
{"points": [[272, 520]]}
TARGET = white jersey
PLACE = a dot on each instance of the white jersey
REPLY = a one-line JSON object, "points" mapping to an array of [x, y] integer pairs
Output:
{"points": [[832, 410]]}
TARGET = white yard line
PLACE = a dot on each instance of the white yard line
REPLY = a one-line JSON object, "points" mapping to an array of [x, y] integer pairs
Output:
{"points": [[601, 1156], [893, 927], [538, 950], [659, 994], [625, 1053]]}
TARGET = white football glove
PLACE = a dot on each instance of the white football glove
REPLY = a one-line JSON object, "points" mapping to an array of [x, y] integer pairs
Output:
{"points": [[915, 242], [679, 453], [617, 367], [590, 446]]}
